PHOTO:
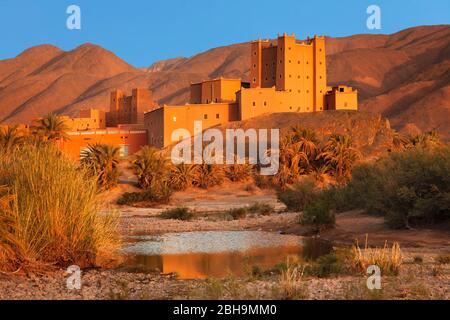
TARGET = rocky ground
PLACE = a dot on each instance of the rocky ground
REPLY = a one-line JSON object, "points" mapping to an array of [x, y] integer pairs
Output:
{"points": [[426, 280], [421, 276]]}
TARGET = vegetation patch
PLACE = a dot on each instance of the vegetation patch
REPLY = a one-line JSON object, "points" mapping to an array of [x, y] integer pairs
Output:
{"points": [[179, 213], [49, 212]]}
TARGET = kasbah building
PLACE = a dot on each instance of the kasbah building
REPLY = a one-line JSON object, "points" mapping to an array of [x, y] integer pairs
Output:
{"points": [[289, 76]]}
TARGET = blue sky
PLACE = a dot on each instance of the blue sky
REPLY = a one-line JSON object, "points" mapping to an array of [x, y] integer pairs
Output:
{"points": [[144, 31]]}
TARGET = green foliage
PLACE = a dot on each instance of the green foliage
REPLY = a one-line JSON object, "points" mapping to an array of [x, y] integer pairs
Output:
{"points": [[179, 213], [102, 161], [318, 214], [150, 166], [410, 187], [327, 265], [239, 172], [51, 127], [208, 175], [49, 212], [158, 193], [340, 155], [299, 195], [11, 138], [182, 176]]}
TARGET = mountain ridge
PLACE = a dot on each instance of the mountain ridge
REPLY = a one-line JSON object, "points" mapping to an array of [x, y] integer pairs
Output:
{"points": [[404, 76]]}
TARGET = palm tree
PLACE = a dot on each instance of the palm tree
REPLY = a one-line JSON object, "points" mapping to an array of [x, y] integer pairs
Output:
{"points": [[239, 171], [400, 141], [208, 175], [10, 138], [51, 127], [340, 155], [150, 166], [102, 160], [182, 176], [428, 139], [307, 140]]}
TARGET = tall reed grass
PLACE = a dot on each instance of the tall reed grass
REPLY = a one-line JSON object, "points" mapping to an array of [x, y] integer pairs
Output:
{"points": [[49, 212]]}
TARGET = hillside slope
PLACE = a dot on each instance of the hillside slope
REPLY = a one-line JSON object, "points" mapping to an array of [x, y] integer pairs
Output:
{"points": [[404, 76]]}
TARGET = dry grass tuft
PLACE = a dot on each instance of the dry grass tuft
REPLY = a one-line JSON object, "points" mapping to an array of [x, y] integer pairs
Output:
{"points": [[388, 259], [49, 212]]}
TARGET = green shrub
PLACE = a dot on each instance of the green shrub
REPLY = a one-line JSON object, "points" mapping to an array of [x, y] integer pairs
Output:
{"points": [[158, 193], [298, 196], [410, 187], [238, 213], [326, 265], [261, 208], [179, 213], [318, 214]]}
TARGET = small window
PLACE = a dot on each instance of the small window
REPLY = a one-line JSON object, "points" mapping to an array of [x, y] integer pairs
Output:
{"points": [[289, 61], [254, 53], [298, 61], [217, 116], [290, 76], [254, 103], [205, 116], [281, 61], [254, 66], [265, 103], [341, 89], [254, 80]]}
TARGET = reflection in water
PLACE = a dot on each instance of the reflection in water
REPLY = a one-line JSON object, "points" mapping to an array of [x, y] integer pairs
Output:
{"points": [[195, 255]]}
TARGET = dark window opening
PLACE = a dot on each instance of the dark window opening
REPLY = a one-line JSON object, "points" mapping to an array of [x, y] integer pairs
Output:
{"points": [[205, 116]]}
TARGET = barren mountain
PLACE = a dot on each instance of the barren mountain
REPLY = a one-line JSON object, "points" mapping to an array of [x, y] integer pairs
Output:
{"points": [[404, 76]]}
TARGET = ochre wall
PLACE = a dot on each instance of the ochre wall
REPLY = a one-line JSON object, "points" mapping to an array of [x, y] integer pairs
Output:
{"points": [[345, 100], [215, 91], [135, 140], [161, 123], [296, 68], [129, 109]]}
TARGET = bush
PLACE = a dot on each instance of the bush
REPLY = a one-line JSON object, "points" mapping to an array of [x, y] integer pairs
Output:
{"points": [[179, 213], [238, 213], [150, 167], [158, 193], [261, 208], [299, 196], [326, 265], [410, 187], [318, 214], [50, 212], [239, 172], [208, 175]]}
